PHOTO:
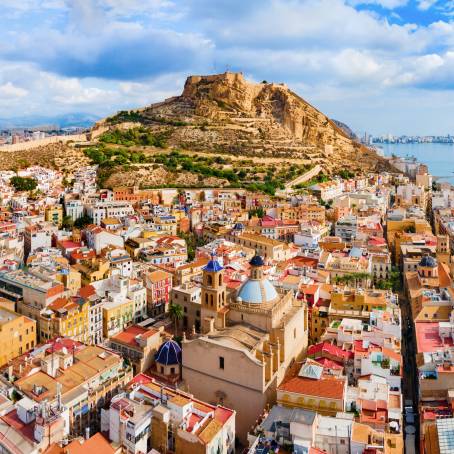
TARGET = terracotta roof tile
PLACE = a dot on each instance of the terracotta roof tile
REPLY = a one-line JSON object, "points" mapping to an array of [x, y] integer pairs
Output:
{"points": [[331, 388]]}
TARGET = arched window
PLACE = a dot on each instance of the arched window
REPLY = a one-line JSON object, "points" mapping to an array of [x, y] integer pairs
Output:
{"points": [[210, 280], [220, 279]]}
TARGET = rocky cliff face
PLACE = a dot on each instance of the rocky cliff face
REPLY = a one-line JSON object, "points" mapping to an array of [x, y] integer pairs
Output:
{"points": [[225, 113]]}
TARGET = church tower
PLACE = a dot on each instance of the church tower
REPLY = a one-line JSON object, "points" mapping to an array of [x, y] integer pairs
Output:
{"points": [[214, 296]]}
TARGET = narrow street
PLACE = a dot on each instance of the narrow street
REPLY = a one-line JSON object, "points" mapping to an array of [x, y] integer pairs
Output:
{"points": [[410, 378]]}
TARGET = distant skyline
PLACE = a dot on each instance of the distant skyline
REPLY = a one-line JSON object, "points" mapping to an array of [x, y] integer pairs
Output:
{"points": [[381, 66]]}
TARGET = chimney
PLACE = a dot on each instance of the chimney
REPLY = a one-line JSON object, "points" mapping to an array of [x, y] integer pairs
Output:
{"points": [[87, 433]]}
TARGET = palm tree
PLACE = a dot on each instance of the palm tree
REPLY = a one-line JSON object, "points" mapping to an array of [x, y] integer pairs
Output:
{"points": [[176, 314]]}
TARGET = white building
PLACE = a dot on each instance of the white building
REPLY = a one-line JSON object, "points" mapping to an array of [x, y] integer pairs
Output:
{"points": [[333, 434], [38, 236], [346, 228], [102, 210], [74, 209], [98, 238], [308, 237], [129, 424]]}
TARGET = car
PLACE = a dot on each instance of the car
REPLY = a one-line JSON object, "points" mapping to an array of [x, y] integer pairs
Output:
{"points": [[408, 409], [410, 418]]}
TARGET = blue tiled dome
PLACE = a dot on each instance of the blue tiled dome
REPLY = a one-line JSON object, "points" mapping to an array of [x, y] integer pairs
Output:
{"points": [[256, 261], [428, 262], [257, 292], [169, 353]]}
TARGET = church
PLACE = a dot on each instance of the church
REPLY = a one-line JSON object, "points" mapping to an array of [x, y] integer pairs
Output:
{"points": [[247, 342]]}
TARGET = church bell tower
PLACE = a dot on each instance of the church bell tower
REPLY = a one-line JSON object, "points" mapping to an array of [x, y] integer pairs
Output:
{"points": [[214, 296]]}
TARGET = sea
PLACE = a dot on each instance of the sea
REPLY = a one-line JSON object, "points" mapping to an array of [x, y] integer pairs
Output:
{"points": [[439, 157]]}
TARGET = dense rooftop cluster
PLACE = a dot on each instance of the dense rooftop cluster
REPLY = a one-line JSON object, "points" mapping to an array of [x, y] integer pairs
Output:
{"points": [[218, 319]]}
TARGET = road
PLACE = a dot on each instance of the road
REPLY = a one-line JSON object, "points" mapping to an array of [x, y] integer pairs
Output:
{"points": [[410, 376], [303, 178]]}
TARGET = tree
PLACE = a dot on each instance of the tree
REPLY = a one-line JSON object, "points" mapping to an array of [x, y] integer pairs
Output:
{"points": [[256, 212], [176, 314], [83, 221], [23, 183], [67, 222], [384, 284]]}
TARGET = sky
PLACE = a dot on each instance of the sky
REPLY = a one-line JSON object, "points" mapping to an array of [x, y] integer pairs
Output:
{"points": [[382, 66]]}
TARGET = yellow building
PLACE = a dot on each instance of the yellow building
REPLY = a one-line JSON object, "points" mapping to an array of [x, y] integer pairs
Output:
{"points": [[17, 335], [133, 246], [65, 318], [54, 214], [356, 303], [311, 389], [116, 316], [268, 248], [319, 321], [405, 225], [93, 270], [306, 212], [71, 279]]}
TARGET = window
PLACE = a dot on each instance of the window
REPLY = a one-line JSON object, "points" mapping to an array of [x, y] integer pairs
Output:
{"points": [[221, 362], [294, 333]]}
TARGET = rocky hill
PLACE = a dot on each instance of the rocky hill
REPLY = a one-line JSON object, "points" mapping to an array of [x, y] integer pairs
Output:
{"points": [[348, 131], [224, 113]]}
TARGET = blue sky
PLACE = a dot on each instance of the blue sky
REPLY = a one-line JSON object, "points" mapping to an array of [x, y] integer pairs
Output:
{"points": [[378, 65]]}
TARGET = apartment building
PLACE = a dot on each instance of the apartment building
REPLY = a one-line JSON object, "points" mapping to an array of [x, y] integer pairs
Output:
{"points": [[17, 335], [115, 209]]}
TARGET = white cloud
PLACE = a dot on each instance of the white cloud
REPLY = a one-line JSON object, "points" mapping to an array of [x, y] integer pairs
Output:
{"points": [[8, 90], [357, 65], [424, 5], [104, 55]]}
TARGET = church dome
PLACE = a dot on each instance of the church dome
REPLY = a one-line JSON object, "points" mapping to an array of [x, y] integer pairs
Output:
{"points": [[428, 262], [169, 353], [213, 266], [257, 291], [256, 261]]}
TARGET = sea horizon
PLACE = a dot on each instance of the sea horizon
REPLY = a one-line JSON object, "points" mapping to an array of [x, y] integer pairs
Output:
{"points": [[439, 157]]}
